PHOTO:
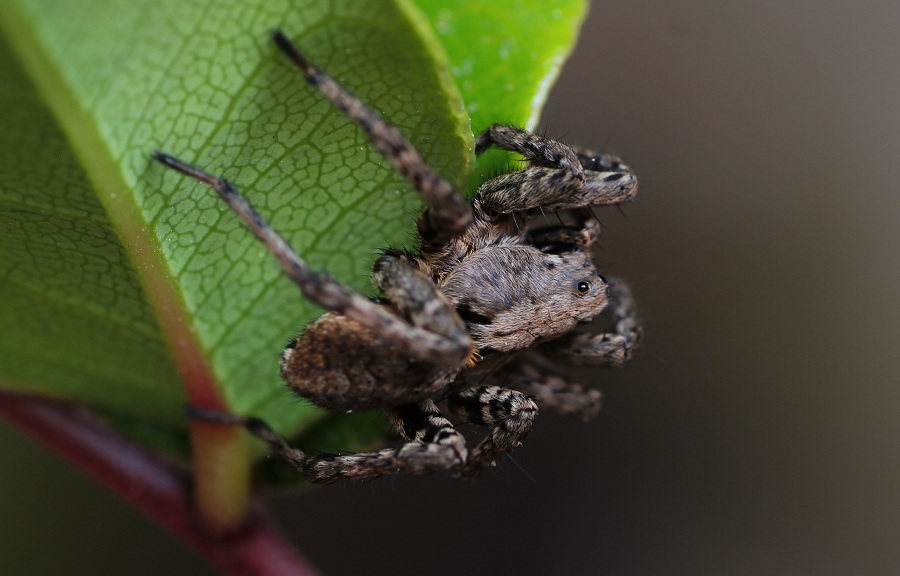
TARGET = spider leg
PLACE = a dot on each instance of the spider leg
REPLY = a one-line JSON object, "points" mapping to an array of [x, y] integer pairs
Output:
{"points": [[256, 427], [447, 214], [555, 239], [600, 161], [325, 290], [554, 189], [552, 391], [422, 422], [542, 151], [415, 296], [605, 348], [539, 151], [559, 177], [510, 414], [413, 458], [587, 226], [433, 446]]}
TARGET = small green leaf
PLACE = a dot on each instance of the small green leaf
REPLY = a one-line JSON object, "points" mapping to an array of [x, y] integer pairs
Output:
{"points": [[111, 266], [505, 57]]}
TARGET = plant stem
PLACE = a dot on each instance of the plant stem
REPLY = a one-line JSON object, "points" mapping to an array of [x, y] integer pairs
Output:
{"points": [[160, 489]]}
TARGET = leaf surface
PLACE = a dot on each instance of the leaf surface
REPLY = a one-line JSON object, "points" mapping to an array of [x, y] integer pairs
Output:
{"points": [[109, 262], [505, 57]]}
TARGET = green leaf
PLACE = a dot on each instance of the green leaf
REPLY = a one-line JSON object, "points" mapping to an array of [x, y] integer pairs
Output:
{"points": [[124, 285], [504, 57], [75, 320]]}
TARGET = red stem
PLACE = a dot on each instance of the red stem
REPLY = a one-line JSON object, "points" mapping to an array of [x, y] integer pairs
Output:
{"points": [[158, 488]]}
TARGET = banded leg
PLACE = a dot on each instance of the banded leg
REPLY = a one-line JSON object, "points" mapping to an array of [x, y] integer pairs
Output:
{"points": [[614, 348], [553, 392], [559, 239], [422, 422], [539, 151], [325, 290], [447, 213], [559, 177], [435, 446], [553, 189], [510, 414], [600, 161], [415, 296]]}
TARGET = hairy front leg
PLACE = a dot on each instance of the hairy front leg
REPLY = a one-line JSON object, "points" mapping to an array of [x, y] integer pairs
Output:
{"points": [[600, 161], [553, 189], [542, 151], [538, 150], [559, 176]]}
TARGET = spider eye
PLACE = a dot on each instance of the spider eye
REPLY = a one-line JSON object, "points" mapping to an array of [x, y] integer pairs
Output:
{"points": [[602, 279], [583, 286]]}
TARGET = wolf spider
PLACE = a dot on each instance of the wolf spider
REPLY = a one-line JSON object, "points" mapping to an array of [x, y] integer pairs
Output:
{"points": [[482, 292]]}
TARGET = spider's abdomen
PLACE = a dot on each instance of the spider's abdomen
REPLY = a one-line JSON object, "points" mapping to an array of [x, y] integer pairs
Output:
{"points": [[339, 364]]}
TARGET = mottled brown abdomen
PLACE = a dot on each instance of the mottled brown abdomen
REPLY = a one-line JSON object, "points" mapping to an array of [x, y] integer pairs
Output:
{"points": [[339, 364]]}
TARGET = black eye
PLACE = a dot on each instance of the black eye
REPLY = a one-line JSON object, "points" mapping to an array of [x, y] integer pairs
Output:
{"points": [[602, 279], [583, 286]]}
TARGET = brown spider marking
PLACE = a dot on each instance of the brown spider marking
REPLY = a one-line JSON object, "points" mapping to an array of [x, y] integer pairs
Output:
{"points": [[472, 318]]}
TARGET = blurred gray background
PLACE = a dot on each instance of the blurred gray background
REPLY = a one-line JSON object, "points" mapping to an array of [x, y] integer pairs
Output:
{"points": [[757, 432]]}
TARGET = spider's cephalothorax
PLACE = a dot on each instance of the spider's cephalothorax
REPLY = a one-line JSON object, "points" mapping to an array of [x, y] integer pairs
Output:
{"points": [[460, 319]]}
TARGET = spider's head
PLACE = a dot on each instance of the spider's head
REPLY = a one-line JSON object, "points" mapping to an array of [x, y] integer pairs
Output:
{"points": [[514, 296]]}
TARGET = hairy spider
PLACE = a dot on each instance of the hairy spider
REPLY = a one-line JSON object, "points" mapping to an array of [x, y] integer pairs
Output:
{"points": [[482, 292]]}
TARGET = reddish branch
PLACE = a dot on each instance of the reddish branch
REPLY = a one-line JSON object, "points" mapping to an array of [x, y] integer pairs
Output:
{"points": [[158, 488]]}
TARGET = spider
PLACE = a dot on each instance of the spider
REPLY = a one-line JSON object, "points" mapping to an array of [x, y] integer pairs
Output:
{"points": [[473, 319]]}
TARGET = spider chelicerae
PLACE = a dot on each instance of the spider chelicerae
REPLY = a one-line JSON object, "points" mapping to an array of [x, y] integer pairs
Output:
{"points": [[475, 318]]}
